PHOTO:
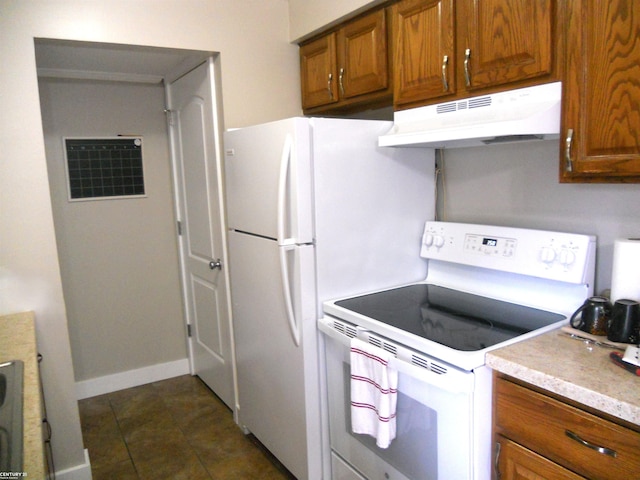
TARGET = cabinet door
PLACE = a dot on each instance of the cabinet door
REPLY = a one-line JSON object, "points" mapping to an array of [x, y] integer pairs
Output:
{"points": [[578, 440], [506, 41], [424, 58], [515, 462], [362, 56], [601, 98], [318, 72]]}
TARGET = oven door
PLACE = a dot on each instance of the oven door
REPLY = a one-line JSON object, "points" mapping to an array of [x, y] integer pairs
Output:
{"points": [[434, 429]]}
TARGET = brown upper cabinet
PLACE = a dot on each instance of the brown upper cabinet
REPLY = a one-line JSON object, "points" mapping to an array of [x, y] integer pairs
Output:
{"points": [[442, 50], [318, 72], [423, 34], [451, 48], [347, 67], [601, 93]]}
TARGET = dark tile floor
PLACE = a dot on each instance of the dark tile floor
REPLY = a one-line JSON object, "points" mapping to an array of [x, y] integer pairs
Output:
{"points": [[173, 429]]}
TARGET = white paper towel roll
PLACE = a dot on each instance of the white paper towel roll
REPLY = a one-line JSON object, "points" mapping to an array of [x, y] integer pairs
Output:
{"points": [[625, 275]]}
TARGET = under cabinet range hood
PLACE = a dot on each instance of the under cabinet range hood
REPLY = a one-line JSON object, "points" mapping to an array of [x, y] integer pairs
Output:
{"points": [[531, 113]]}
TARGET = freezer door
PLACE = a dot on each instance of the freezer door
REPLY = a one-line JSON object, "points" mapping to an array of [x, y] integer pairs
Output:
{"points": [[370, 207], [278, 390], [268, 180]]}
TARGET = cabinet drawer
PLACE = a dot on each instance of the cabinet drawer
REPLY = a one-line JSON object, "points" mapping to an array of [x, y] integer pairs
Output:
{"points": [[517, 462], [565, 434]]}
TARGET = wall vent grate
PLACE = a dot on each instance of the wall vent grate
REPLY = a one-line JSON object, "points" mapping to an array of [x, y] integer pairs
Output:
{"points": [[415, 359], [345, 329], [378, 342], [480, 102], [427, 364], [446, 108]]}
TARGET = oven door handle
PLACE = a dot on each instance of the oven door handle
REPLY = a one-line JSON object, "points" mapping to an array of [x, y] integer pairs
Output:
{"points": [[452, 379]]}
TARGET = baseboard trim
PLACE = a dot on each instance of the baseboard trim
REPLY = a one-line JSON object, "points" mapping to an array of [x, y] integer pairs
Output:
{"points": [[79, 472], [131, 378]]}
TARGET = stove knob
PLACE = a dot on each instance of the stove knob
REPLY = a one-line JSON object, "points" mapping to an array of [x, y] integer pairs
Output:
{"points": [[428, 239], [567, 257], [547, 255], [438, 241]]}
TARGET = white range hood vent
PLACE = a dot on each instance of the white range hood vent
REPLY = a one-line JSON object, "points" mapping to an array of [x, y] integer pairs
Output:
{"points": [[531, 113]]}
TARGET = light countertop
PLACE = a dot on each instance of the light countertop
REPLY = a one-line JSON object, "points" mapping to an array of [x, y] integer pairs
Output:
{"points": [[573, 369], [18, 342]]}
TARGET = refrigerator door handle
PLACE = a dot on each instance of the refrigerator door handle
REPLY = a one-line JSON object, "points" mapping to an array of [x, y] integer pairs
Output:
{"points": [[285, 162], [286, 244], [286, 288]]}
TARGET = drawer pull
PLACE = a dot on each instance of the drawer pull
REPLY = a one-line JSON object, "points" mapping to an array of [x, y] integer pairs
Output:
{"points": [[604, 450]]}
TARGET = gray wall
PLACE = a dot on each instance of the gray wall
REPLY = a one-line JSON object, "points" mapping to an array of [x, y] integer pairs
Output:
{"points": [[118, 257], [517, 185]]}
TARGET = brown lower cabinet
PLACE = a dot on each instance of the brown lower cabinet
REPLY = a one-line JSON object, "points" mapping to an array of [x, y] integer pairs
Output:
{"points": [[516, 462], [542, 437]]}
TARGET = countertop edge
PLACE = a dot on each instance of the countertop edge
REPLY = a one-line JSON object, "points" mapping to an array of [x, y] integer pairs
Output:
{"points": [[18, 342], [577, 370], [586, 396]]}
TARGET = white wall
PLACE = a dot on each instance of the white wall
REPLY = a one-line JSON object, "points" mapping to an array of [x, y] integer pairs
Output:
{"points": [[118, 257], [517, 185], [308, 17], [260, 82]]}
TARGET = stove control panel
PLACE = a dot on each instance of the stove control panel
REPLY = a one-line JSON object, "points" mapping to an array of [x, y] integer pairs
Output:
{"points": [[493, 245], [559, 256]]}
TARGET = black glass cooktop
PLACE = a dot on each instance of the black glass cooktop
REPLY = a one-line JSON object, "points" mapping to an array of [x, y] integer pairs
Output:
{"points": [[456, 319]]}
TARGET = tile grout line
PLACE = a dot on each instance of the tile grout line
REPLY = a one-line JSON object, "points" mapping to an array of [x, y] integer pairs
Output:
{"points": [[124, 440], [195, 452], [178, 405]]}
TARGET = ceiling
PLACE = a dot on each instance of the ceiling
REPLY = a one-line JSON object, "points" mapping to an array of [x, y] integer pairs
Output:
{"points": [[113, 62]]}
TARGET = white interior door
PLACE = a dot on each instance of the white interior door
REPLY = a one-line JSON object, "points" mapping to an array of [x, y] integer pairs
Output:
{"points": [[196, 146]]}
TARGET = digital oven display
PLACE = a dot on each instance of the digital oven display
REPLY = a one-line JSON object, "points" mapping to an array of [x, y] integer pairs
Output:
{"points": [[490, 242]]}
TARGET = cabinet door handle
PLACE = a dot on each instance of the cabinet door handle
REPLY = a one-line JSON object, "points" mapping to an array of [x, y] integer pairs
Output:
{"points": [[467, 74], [340, 84], [445, 62], [597, 448], [496, 465], [568, 163], [329, 89]]}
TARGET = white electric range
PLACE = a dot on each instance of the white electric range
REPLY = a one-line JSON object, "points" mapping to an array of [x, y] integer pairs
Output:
{"points": [[486, 287]]}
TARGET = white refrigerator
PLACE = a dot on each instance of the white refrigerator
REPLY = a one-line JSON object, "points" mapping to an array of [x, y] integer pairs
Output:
{"points": [[315, 211]]}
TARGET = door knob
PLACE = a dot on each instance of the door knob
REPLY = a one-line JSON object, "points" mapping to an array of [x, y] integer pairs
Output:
{"points": [[213, 264]]}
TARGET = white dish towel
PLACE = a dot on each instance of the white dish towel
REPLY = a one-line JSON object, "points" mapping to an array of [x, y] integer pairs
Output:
{"points": [[374, 392]]}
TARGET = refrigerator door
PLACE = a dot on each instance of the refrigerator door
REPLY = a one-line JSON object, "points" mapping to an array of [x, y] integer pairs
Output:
{"points": [[370, 206], [278, 390], [268, 180]]}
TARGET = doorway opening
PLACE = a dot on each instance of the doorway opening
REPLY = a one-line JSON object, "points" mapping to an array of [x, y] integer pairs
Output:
{"points": [[122, 260]]}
